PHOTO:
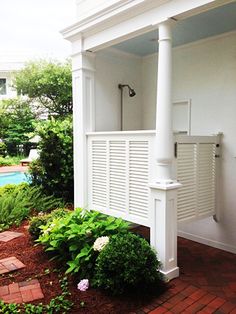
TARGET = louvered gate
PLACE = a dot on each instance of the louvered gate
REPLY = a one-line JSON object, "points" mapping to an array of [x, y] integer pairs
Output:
{"points": [[121, 165], [196, 171]]}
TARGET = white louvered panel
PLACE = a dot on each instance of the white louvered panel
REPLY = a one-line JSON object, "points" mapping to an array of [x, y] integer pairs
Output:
{"points": [[117, 175], [99, 172], [138, 178], [206, 179], [186, 175]]}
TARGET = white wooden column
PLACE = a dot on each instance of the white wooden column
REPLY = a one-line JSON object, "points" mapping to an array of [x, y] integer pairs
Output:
{"points": [[164, 189], [84, 121]]}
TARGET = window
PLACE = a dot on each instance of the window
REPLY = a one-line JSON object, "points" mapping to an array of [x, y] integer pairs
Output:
{"points": [[3, 86]]}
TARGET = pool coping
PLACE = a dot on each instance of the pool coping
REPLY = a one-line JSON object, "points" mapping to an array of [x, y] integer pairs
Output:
{"points": [[16, 168]]}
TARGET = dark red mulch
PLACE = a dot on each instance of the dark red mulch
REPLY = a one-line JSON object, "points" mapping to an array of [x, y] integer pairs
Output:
{"points": [[37, 263]]}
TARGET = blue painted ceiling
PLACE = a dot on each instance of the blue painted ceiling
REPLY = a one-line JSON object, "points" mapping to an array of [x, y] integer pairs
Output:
{"points": [[210, 23]]}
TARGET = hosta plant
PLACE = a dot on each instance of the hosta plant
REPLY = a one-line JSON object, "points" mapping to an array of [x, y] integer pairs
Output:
{"points": [[72, 238]]}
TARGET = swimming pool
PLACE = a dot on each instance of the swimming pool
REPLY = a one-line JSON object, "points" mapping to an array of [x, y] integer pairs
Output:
{"points": [[12, 178]]}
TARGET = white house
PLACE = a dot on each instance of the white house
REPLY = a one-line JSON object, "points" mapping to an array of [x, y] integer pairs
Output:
{"points": [[9, 63], [165, 157]]}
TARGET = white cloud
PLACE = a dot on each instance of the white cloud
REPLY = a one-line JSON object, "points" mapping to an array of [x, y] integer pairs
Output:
{"points": [[33, 26]]}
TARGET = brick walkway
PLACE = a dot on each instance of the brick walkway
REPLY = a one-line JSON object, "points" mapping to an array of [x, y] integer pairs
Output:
{"points": [[25, 291], [6, 236], [207, 282], [10, 264]]}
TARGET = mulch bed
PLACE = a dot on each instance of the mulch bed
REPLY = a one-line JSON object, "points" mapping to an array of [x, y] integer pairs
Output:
{"points": [[38, 266]]}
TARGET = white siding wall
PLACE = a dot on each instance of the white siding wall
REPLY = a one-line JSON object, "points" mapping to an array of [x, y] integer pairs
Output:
{"points": [[205, 72], [112, 69], [11, 92]]}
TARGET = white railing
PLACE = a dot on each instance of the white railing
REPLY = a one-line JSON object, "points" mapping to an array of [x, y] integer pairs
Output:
{"points": [[121, 165]]}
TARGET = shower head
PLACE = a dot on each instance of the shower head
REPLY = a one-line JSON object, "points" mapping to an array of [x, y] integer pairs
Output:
{"points": [[132, 92]]}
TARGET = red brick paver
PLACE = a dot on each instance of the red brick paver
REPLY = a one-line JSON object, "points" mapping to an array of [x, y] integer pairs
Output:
{"points": [[6, 236], [10, 264], [207, 282], [25, 291]]}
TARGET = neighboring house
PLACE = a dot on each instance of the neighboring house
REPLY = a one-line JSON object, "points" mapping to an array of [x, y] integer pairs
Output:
{"points": [[127, 162], [9, 63]]}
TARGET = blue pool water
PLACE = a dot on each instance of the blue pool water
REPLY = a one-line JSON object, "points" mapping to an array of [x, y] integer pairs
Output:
{"points": [[12, 178]]}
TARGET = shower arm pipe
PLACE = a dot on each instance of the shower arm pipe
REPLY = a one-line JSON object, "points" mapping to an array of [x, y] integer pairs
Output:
{"points": [[121, 109]]}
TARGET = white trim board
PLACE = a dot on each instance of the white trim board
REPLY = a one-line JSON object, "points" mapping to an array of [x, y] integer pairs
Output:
{"points": [[209, 242]]}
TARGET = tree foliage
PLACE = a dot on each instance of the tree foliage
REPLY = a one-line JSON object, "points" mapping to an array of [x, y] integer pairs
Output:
{"points": [[54, 169], [49, 83], [16, 120]]}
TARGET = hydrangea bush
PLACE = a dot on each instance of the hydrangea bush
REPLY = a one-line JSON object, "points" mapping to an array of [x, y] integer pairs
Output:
{"points": [[73, 238]]}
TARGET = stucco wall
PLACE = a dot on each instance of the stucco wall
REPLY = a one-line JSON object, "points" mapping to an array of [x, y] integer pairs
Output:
{"points": [[112, 69], [205, 72]]}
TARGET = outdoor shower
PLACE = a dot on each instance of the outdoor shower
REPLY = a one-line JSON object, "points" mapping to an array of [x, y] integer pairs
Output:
{"points": [[132, 93]]}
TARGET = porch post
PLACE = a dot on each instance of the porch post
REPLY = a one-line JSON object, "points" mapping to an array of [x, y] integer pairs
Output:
{"points": [[164, 189], [83, 121]]}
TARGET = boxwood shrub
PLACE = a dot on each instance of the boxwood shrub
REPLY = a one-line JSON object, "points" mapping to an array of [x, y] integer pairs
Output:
{"points": [[126, 262]]}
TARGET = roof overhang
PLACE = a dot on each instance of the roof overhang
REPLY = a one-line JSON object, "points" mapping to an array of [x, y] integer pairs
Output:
{"points": [[129, 18]]}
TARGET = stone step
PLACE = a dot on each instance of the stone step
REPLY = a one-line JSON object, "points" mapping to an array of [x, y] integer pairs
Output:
{"points": [[10, 264], [7, 236], [25, 291]]}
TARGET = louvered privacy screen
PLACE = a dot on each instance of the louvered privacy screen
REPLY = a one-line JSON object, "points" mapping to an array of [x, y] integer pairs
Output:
{"points": [[196, 170], [119, 176], [120, 168]]}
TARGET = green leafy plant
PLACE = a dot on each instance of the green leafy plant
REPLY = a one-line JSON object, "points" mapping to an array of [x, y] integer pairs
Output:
{"points": [[71, 238], [42, 202], [14, 207], [16, 120], [17, 201], [49, 83], [3, 149], [37, 222], [9, 161], [54, 169], [126, 262]]}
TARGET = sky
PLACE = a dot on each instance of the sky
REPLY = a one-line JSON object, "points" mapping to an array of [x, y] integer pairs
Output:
{"points": [[32, 27]]}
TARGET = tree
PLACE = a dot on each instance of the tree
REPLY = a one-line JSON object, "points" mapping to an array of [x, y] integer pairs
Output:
{"points": [[47, 83], [53, 171], [17, 120]]}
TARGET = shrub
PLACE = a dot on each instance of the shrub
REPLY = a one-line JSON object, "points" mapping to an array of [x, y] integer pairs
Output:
{"points": [[13, 188], [43, 203], [3, 149], [37, 222], [9, 161], [14, 207], [17, 200], [54, 169], [71, 238], [126, 262]]}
